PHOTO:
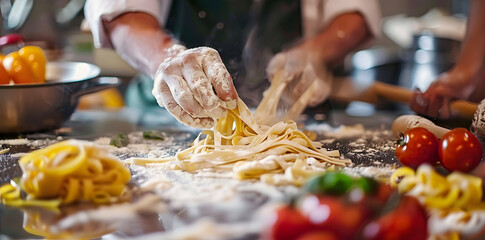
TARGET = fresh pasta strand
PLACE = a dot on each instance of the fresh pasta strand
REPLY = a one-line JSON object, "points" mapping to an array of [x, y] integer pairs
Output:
{"points": [[467, 223], [251, 150], [68, 172], [267, 111]]}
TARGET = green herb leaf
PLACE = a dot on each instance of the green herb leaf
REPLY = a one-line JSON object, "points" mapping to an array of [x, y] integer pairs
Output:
{"points": [[368, 185], [333, 183], [154, 135], [120, 140]]}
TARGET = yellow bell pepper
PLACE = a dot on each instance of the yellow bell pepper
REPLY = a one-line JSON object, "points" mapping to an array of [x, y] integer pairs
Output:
{"points": [[26, 66], [36, 59], [109, 99], [4, 77]]}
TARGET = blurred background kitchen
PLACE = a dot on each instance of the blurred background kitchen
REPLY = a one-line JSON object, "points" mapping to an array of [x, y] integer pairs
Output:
{"points": [[406, 53]]}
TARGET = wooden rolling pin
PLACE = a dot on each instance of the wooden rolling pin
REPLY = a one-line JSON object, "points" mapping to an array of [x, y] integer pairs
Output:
{"points": [[405, 122], [345, 89]]}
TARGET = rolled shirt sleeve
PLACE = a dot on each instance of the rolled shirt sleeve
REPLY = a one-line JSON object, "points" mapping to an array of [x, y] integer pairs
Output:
{"points": [[318, 13], [97, 11], [368, 8]]}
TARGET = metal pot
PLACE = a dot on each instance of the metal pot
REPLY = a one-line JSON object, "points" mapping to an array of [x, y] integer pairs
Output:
{"points": [[414, 67], [427, 58], [37, 107]]}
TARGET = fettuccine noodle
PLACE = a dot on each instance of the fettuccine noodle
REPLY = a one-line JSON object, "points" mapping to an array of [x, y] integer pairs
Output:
{"points": [[465, 222], [251, 150], [68, 172], [457, 190]]}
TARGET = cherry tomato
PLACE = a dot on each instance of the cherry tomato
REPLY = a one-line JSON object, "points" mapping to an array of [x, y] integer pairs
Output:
{"points": [[417, 146], [384, 192], [407, 221], [460, 150], [289, 224], [333, 214]]}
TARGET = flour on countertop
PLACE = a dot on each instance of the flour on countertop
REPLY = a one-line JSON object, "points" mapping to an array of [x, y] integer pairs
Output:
{"points": [[365, 147], [91, 223], [338, 132], [192, 196], [12, 142], [18, 155], [180, 188], [382, 173], [208, 229], [138, 146]]}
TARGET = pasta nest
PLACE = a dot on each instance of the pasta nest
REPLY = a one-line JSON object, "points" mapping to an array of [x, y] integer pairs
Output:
{"points": [[457, 190], [67, 172]]}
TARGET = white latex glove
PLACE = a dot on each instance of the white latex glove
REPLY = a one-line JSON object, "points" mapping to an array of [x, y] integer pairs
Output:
{"points": [[194, 86], [300, 70]]}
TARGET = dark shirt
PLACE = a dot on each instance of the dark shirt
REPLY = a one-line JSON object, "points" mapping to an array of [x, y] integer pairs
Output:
{"points": [[246, 34]]}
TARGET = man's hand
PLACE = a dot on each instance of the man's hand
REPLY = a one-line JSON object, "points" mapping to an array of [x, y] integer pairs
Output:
{"points": [[194, 86]]}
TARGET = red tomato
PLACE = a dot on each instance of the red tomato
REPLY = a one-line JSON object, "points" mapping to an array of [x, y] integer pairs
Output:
{"points": [[289, 224], [407, 221], [318, 235], [417, 146], [335, 215], [460, 150], [385, 191]]}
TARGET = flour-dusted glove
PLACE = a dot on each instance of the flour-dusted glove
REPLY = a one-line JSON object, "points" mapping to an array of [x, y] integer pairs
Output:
{"points": [[194, 86], [299, 68]]}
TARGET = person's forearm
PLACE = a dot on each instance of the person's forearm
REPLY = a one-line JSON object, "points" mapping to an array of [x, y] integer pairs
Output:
{"points": [[138, 38], [473, 47], [344, 33]]}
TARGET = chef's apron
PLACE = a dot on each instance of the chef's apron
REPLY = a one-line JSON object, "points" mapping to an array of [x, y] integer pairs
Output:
{"points": [[245, 33]]}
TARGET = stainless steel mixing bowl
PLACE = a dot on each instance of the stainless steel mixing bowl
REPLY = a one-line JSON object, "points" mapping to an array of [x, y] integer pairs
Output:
{"points": [[37, 107]]}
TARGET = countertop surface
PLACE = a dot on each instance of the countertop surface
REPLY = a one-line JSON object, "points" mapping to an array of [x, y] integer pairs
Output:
{"points": [[370, 145]]}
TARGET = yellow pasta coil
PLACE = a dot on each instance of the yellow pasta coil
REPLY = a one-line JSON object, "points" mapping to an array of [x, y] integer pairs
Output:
{"points": [[457, 190], [251, 150], [68, 172]]}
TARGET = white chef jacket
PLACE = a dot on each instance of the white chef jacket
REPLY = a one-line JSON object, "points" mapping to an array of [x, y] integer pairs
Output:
{"points": [[316, 14]]}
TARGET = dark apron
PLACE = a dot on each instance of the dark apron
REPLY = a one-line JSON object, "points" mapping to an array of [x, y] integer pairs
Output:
{"points": [[246, 34]]}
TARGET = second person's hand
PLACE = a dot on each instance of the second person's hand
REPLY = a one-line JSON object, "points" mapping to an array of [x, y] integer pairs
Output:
{"points": [[307, 62], [300, 67], [458, 83]]}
